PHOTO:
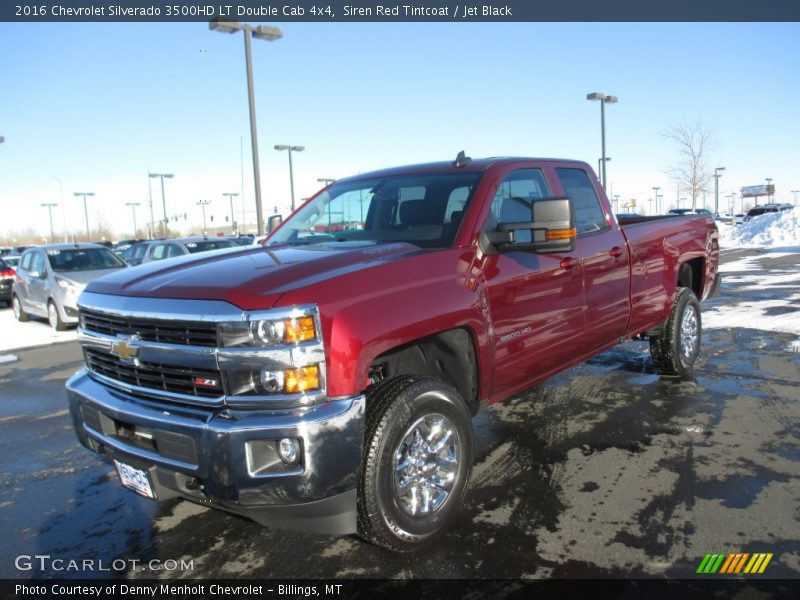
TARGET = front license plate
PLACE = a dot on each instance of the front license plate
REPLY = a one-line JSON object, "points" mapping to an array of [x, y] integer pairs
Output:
{"points": [[135, 479]]}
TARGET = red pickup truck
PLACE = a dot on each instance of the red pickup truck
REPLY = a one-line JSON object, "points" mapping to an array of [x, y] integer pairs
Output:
{"points": [[326, 381]]}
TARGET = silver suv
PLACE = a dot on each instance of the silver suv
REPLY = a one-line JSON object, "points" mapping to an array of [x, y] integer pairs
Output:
{"points": [[50, 278]]}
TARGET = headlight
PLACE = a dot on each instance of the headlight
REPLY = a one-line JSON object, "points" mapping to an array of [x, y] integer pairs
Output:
{"points": [[271, 332], [299, 380]]}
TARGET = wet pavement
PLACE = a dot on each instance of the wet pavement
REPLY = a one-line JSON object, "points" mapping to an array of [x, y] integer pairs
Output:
{"points": [[606, 470]]}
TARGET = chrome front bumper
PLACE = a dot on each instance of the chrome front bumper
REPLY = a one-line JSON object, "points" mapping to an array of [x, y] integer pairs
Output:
{"points": [[217, 457]]}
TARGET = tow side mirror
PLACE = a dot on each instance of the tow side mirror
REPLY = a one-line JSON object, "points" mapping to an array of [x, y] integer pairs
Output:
{"points": [[550, 231]]}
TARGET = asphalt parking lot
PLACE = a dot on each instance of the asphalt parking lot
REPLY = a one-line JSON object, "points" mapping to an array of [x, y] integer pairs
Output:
{"points": [[605, 471]]}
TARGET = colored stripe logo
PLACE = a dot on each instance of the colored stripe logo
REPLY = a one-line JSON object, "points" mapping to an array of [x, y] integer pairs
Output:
{"points": [[734, 564]]}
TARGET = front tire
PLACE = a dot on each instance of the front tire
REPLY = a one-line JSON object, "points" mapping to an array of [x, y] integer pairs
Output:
{"points": [[54, 318], [416, 463], [19, 312], [675, 350]]}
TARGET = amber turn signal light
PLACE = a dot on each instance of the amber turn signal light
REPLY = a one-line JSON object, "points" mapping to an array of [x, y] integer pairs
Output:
{"points": [[300, 329], [300, 380], [560, 234]]}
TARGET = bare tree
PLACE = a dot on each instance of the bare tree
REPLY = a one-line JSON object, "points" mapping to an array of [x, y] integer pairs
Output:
{"points": [[694, 142]]}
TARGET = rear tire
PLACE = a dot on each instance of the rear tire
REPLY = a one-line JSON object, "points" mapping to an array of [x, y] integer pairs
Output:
{"points": [[416, 464], [54, 318], [19, 312], [675, 350]]}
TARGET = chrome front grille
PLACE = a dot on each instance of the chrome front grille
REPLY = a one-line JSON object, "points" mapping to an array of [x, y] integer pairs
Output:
{"points": [[153, 330], [177, 380]]}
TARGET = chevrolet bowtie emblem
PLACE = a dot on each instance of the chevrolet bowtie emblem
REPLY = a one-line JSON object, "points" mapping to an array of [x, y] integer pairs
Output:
{"points": [[124, 350]]}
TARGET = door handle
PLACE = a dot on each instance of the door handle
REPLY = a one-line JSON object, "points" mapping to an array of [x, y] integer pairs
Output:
{"points": [[616, 252], [568, 263]]}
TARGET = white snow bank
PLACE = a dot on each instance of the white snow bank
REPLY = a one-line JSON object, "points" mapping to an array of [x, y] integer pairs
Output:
{"points": [[771, 230], [15, 335]]}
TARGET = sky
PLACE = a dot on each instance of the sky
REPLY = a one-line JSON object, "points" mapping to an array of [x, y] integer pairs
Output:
{"points": [[94, 107]]}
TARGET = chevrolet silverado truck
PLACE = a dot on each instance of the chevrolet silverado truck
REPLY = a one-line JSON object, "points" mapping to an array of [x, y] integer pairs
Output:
{"points": [[326, 380]]}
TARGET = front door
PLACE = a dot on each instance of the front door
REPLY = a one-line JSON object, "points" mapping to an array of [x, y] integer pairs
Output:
{"points": [[535, 300]]}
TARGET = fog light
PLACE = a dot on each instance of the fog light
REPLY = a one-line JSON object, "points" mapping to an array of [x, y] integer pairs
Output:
{"points": [[289, 450]]}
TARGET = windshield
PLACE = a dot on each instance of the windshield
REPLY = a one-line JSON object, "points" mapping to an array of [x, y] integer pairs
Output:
{"points": [[425, 210], [83, 259], [207, 245]]}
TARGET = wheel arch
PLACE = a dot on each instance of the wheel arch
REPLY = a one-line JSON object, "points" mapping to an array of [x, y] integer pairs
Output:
{"points": [[450, 355]]}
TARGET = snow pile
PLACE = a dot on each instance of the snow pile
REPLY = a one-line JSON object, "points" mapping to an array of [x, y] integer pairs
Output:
{"points": [[770, 230]]}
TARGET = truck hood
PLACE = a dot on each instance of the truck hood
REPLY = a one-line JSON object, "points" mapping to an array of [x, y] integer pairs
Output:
{"points": [[250, 278]]}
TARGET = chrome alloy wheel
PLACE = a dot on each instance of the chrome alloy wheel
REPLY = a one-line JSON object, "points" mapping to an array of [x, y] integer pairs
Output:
{"points": [[689, 332], [425, 464], [52, 315]]}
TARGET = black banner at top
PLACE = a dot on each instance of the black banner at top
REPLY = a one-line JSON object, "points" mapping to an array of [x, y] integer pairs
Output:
{"points": [[452, 11]]}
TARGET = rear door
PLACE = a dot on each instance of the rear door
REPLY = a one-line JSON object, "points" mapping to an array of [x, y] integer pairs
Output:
{"points": [[535, 300], [604, 253]]}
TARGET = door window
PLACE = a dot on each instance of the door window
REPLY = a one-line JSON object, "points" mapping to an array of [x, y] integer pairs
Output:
{"points": [[513, 199], [589, 215]]}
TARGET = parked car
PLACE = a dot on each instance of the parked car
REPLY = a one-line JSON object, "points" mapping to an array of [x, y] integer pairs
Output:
{"points": [[7, 272], [690, 211], [50, 278], [134, 254], [764, 209], [161, 249], [738, 219], [12, 260], [243, 240], [327, 381]]}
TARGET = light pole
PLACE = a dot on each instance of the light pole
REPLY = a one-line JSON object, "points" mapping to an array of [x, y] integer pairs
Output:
{"points": [[603, 99], [49, 206], [231, 196], [601, 163], [794, 196], [731, 202], [63, 210], [717, 175], [163, 197], [262, 32], [655, 193], [85, 211], [769, 194], [291, 149], [202, 203], [326, 180], [133, 206]]}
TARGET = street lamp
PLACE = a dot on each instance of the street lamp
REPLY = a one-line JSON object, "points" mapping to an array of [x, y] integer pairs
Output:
{"points": [[717, 175], [133, 206], [262, 32], [326, 180], [49, 206], [85, 211], [603, 99], [163, 197], [602, 161], [231, 196], [291, 149], [655, 192], [202, 203], [769, 195]]}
